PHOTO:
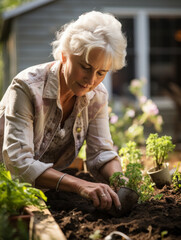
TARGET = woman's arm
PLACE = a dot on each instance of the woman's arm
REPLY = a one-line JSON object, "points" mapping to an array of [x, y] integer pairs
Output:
{"points": [[101, 194], [50, 177], [110, 167], [18, 147], [102, 159]]}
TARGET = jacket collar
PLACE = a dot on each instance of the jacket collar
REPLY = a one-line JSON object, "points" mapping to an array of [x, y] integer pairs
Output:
{"points": [[52, 84]]}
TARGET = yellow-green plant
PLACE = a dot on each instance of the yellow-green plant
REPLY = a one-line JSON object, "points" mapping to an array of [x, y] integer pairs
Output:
{"points": [[14, 196], [96, 235], [176, 180], [158, 148], [131, 159], [130, 154]]}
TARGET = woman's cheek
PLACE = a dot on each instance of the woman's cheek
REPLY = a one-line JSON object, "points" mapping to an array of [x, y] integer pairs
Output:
{"points": [[98, 82]]}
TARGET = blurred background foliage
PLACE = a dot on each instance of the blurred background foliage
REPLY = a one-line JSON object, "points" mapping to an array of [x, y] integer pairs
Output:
{"points": [[135, 118], [10, 4], [6, 5]]}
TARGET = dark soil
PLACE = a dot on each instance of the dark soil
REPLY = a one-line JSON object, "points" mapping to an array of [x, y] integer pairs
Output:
{"points": [[78, 218]]}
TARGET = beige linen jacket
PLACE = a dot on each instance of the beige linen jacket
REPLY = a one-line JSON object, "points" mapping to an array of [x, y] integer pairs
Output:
{"points": [[30, 114]]}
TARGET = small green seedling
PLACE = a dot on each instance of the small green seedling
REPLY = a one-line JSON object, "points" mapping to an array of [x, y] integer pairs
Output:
{"points": [[117, 180], [141, 184], [158, 196], [163, 234], [96, 235], [176, 180], [158, 148], [131, 156]]}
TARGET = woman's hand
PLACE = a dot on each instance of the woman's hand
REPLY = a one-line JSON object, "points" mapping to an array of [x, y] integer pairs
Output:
{"points": [[101, 194]]}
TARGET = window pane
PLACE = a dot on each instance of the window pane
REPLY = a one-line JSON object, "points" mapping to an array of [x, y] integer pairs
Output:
{"points": [[165, 53], [122, 78]]}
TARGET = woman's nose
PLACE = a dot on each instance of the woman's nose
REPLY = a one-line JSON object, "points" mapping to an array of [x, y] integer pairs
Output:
{"points": [[90, 78]]}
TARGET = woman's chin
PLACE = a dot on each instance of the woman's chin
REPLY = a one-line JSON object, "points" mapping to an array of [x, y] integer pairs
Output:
{"points": [[81, 93]]}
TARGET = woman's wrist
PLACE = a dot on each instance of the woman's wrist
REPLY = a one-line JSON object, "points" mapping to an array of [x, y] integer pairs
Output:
{"points": [[58, 182], [109, 168], [70, 183], [53, 179]]}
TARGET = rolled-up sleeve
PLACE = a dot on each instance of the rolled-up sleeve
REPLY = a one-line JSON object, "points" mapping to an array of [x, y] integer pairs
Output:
{"points": [[18, 147], [99, 142]]}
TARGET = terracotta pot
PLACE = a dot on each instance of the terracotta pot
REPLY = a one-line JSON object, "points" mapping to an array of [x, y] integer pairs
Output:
{"points": [[161, 176], [128, 199]]}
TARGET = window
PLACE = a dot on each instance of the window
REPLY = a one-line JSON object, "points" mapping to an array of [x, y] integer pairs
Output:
{"points": [[165, 53]]}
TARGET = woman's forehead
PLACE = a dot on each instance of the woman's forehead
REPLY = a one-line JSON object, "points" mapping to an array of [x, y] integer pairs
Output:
{"points": [[98, 58]]}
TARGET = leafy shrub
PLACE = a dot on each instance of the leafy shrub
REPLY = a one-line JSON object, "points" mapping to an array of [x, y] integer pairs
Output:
{"points": [[15, 195]]}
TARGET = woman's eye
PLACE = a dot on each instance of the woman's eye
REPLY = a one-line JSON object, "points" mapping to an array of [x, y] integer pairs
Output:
{"points": [[100, 74], [85, 67]]}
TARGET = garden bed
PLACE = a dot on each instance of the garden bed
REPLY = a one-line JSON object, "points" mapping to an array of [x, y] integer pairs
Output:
{"points": [[78, 218]]}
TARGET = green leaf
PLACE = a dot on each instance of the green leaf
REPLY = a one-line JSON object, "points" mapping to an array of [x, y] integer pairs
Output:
{"points": [[15, 195]]}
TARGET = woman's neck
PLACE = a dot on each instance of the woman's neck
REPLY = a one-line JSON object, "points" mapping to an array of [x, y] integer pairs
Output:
{"points": [[66, 94]]}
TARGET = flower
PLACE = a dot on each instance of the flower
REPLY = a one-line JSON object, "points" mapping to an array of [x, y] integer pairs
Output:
{"points": [[113, 119], [143, 99], [130, 113], [150, 108], [159, 120], [136, 83], [136, 87]]}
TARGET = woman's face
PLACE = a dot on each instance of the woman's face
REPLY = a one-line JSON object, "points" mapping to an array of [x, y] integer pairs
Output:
{"points": [[80, 76]]}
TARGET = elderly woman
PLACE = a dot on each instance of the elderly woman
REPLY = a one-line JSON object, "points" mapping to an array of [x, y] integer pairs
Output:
{"points": [[50, 109]]}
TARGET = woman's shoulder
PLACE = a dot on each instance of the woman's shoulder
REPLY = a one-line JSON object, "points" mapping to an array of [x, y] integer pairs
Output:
{"points": [[34, 74], [99, 96], [101, 93]]}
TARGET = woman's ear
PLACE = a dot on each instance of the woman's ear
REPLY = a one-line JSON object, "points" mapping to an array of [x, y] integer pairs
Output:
{"points": [[64, 58]]}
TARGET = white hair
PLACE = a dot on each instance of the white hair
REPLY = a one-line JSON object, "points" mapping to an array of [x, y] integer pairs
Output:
{"points": [[92, 30]]}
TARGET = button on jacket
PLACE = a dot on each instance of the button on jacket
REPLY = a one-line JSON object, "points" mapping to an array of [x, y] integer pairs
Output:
{"points": [[30, 113]]}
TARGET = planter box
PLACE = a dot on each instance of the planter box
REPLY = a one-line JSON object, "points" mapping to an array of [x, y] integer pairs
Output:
{"points": [[43, 226]]}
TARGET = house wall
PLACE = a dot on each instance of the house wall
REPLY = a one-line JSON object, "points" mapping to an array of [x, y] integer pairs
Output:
{"points": [[9, 57], [35, 31]]}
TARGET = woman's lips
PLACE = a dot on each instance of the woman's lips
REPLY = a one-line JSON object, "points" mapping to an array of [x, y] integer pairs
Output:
{"points": [[82, 86]]}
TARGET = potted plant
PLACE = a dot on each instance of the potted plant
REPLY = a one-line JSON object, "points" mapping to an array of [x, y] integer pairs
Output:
{"points": [[15, 197], [157, 148], [131, 185]]}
